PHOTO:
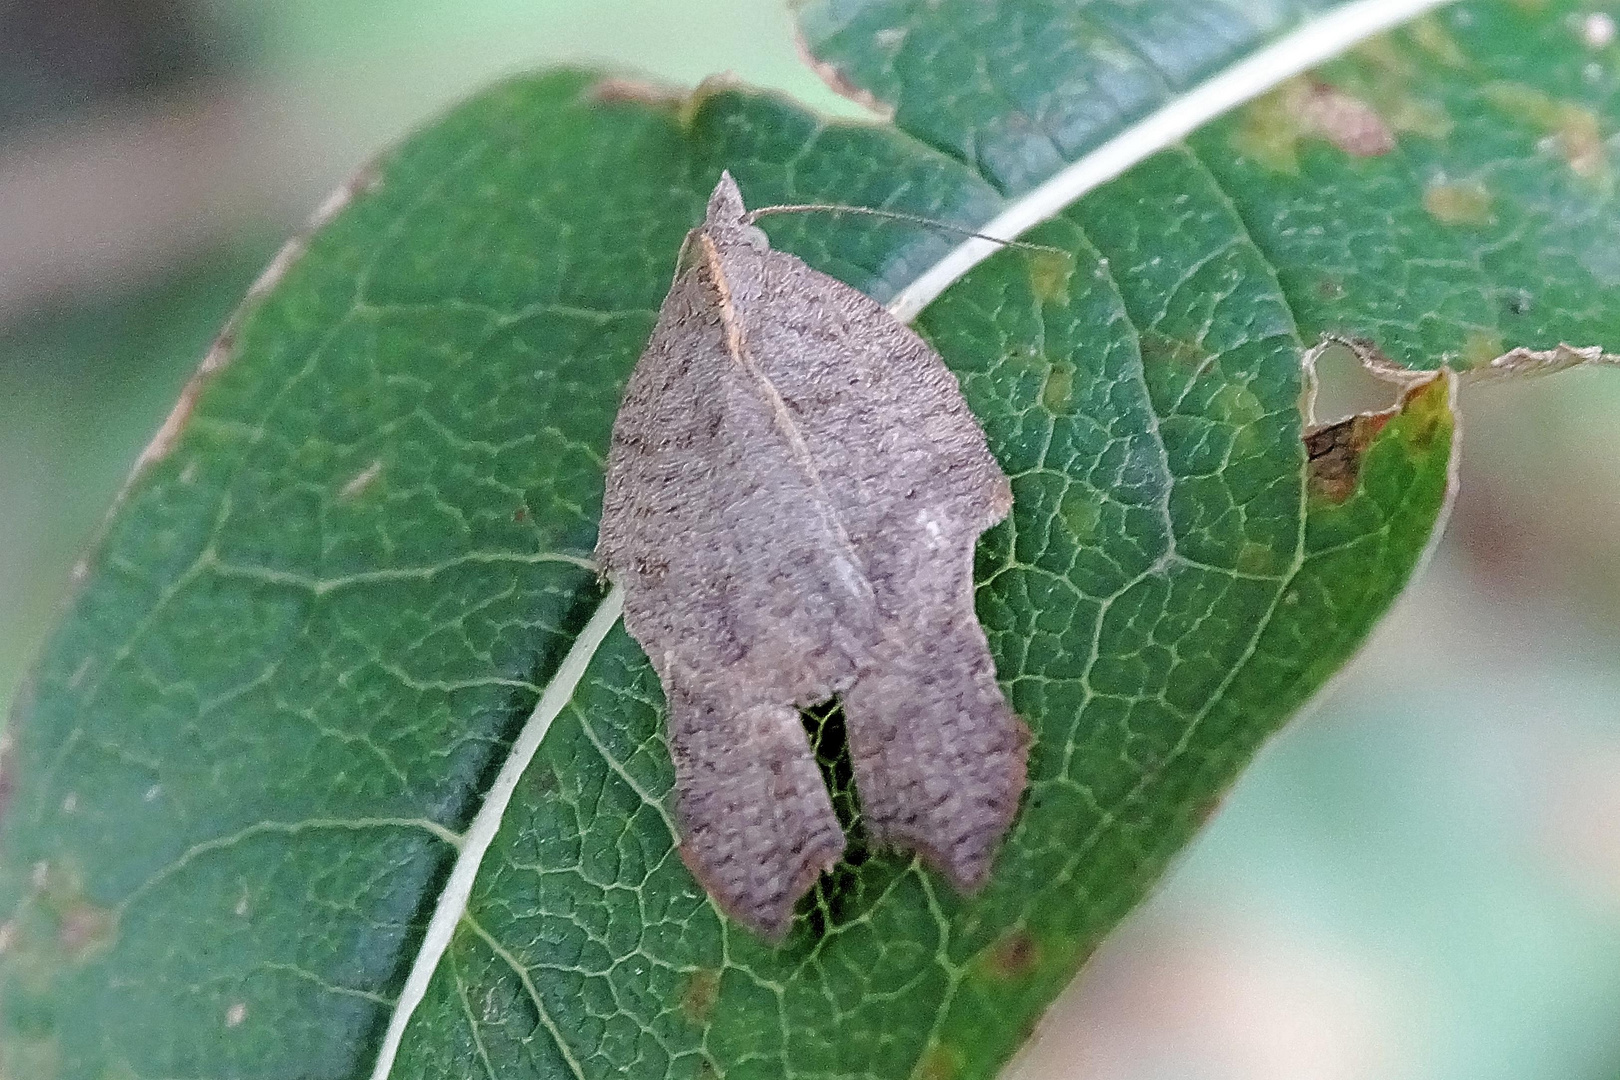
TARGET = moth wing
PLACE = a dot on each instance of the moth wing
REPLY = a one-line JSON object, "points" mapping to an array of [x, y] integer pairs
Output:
{"points": [[734, 564], [939, 757], [756, 824], [746, 597], [883, 418]]}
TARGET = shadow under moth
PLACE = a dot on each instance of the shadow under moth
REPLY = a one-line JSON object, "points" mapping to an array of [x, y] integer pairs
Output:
{"points": [[794, 490]]}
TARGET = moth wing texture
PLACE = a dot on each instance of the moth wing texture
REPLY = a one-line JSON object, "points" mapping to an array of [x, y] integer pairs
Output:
{"points": [[939, 757], [745, 594], [794, 491]]}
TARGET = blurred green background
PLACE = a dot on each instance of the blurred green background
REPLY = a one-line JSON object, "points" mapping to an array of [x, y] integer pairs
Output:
{"points": [[1418, 879]]}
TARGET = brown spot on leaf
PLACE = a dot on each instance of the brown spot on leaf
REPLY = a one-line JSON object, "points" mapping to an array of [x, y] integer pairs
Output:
{"points": [[222, 347], [1347, 122], [1301, 109], [1015, 956], [702, 991], [66, 927], [84, 928], [219, 355], [834, 77], [936, 1064], [361, 480], [1335, 451], [1465, 202], [1212, 805], [615, 91]]}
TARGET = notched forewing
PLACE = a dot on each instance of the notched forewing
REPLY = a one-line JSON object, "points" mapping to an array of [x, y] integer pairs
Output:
{"points": [[794, 491]]}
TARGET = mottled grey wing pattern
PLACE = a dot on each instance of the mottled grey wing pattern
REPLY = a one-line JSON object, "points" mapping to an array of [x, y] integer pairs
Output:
{"points": [[745, 596], [794, 491]]}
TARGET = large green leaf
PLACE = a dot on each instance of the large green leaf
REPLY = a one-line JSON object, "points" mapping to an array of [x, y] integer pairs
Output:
{"points": [[319, 619]]}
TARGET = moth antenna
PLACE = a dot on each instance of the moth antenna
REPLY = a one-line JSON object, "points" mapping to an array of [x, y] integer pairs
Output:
{"points": [[896, 215]]}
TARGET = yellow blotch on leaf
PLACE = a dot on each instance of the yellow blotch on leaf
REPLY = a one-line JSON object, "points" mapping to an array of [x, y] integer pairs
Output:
{"points": [[1049, 273], [1080, 512], [1256, 558], [1465, 202], [1389, 72], [1481, 348], [937, 1064], [1058, 393], [1575, 131], [1431, 35]]}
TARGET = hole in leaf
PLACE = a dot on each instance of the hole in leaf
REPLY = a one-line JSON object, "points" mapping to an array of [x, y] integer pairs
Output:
{"points": [[835, 897], [1345, 388]]}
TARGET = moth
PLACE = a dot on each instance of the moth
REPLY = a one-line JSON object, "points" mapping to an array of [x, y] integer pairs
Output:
{"points": [[794, 490]]}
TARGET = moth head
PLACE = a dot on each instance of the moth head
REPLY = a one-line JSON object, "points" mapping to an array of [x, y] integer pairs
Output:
{"points": [[726, 203], [728, 216]]}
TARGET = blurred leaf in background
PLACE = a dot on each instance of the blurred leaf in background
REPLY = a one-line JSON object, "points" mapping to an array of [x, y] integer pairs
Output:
{"points": [[72, 57]]}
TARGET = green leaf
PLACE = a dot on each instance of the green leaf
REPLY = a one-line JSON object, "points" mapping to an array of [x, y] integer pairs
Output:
{"points": [[1021, 88], [252, 764], [1494, 223]]}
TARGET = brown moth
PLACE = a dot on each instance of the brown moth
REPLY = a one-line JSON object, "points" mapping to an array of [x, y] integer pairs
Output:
{"points": [[794, 490]]}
